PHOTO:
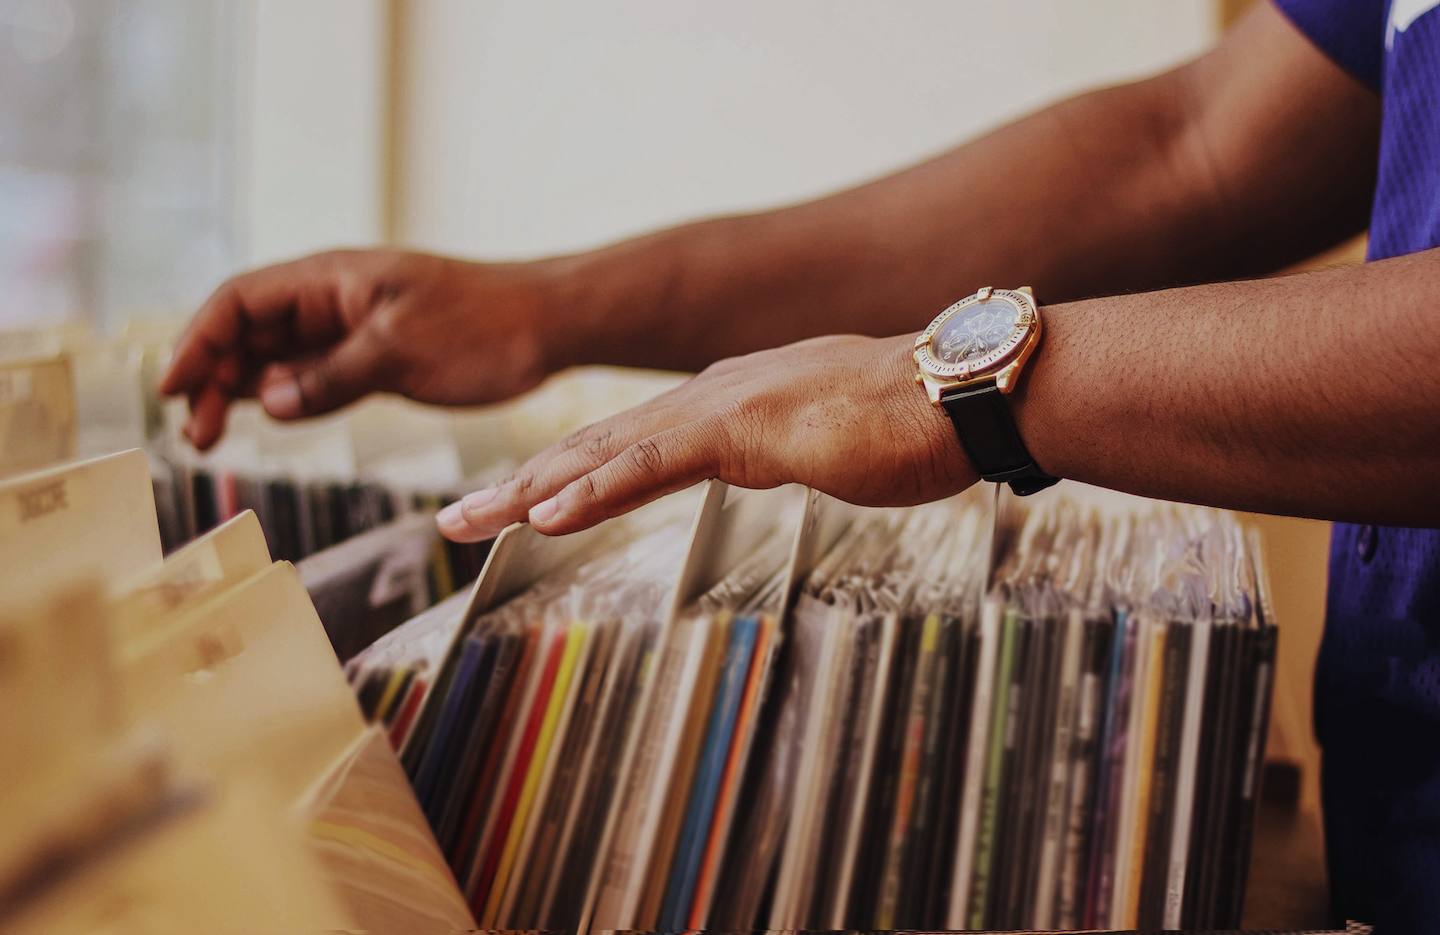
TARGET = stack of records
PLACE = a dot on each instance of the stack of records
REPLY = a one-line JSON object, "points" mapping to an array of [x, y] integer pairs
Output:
{"points": [[946, 717], [366, 586], [517, 769], [299, 517], [392, 677], [1080, 750]]}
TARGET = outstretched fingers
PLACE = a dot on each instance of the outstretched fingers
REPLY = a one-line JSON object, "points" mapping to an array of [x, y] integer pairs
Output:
{"points": [[655, 446], [645, 471]]}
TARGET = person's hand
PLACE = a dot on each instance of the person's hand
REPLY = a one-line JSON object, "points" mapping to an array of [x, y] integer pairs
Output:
{"points": [[840, 414], [310, 336]]}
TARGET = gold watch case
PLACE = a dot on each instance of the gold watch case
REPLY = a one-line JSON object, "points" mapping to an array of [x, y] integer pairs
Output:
{"points": [[1001, 363]]}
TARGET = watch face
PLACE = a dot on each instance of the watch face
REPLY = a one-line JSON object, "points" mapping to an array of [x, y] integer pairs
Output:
{"points": [[976, 332]]}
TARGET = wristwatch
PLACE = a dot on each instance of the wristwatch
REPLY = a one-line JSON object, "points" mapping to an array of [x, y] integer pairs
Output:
{"points": [[970, 358]]}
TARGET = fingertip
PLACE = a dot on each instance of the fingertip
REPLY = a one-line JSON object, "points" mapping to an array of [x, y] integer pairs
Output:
{"points": [[162, 385], [207, 416], [462, 532], [484, 510], [543, 513], [281, 398], [468, 519], [548, 520], [452, 524]]}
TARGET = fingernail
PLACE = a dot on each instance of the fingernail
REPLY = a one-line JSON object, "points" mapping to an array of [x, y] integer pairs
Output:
{"points": [[450, 516], [281, 399], [544, 511], [479, 499]]}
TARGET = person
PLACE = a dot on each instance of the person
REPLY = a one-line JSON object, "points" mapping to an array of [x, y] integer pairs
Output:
{"points": [[1140, 215]]}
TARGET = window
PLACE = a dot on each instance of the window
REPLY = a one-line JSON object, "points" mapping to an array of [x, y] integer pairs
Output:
{"points": [[116, 156]]}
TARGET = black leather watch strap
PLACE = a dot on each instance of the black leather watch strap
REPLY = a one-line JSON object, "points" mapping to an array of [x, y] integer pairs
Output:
{"points": [[986, 428]]}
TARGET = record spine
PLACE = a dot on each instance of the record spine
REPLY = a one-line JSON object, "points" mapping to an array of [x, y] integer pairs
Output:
{"points": [[977, 744]]}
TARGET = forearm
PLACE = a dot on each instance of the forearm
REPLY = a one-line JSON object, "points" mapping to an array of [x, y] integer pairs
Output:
{"points": [[1314, 395], [1253, 157], [885, 257]]}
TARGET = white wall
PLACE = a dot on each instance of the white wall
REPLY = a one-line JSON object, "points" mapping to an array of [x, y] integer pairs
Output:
{"points": [[532, 126], [314, 126]]}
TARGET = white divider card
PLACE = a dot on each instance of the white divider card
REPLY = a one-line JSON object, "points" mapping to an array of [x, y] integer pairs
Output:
{"points": [[95, 516], [222, 861], [220, 559], [825, 520], [37, 414], [243, 683]]}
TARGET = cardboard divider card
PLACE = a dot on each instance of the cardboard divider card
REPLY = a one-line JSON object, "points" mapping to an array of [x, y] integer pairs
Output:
{"points": [[62, 710], [37, 414], [222, 862], [246, 681], [96, 515], [218, 560]]}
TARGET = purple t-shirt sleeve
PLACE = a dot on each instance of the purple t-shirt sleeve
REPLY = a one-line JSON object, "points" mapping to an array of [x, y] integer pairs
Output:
{"points": [[1351, 32]]}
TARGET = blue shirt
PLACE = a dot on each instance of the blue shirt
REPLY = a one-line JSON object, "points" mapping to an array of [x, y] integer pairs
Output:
{"points": [[1377, 681]]}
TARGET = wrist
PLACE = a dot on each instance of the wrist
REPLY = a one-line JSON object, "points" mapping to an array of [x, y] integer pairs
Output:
{"points": [[910, 410], [1031, 402], [970, 360], [609, 306]]}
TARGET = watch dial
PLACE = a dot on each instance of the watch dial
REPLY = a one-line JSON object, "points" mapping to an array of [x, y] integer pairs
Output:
{"points": [[974, 331]]}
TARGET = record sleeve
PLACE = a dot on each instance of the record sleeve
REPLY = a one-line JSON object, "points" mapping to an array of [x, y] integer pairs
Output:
{"points": [[912, 737], [1159, 820], [1056, 778], [1186, 779], [978, 743], [1002, 709], [543, 861], [474, 738], [715, 752], [675, 787], [571, 647], [477, 797], [747, 728], [885, 783], [949, 792]]}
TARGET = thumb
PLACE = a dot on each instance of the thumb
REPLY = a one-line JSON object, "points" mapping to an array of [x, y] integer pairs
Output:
{"points": [[344, 374]]}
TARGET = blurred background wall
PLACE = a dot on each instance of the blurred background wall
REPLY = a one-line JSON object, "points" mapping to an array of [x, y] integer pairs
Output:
{"points": [[150, 147], [528, 127]]}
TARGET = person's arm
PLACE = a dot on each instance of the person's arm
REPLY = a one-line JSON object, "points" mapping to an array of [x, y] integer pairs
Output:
{"points": [[1259, 153], [1311, 395]]}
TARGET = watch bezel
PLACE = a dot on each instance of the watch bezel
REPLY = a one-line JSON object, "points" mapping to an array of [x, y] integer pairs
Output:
{"points": [[1027, 322]]}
